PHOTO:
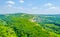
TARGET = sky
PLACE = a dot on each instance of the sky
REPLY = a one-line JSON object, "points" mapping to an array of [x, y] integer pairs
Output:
{"points": [[30, 6]]}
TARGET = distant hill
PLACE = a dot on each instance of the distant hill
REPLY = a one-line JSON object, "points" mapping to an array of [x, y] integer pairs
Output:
{"points": [[28, 25]]}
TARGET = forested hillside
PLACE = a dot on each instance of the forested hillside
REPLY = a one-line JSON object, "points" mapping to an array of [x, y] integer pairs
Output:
{"points": [[26, 25]]}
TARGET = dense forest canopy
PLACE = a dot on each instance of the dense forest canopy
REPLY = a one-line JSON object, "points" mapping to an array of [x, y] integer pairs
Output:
{"points": [[26, 25]]}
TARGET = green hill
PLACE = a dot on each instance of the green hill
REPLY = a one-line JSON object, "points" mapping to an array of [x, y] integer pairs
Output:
{"points": [[51, 23], [22, 25]]}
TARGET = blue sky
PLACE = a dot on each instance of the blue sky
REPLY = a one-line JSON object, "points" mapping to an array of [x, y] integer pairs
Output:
{"points": [[30, 6]]}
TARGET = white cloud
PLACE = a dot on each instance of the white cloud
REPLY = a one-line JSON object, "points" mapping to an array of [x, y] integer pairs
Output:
{"points": [[48, 4], [10, 2], [53, 8], [9, 5], [21, 1], [20, 8]]}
